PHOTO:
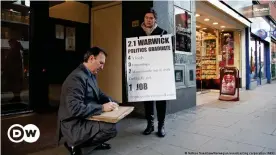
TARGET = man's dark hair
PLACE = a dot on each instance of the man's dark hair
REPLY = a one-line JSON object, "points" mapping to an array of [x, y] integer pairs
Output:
{"points": [[95, 51], [151, 10]]}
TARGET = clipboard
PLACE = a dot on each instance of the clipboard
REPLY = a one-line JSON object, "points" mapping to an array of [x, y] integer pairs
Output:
{"points": [[113, 116]]}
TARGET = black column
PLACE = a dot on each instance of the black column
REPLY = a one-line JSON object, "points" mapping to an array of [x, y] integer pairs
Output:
{"points": [[132, 10], [39, 21]]}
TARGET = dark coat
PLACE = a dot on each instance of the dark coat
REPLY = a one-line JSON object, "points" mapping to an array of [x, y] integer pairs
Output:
{"points": [[140, 32], [80, 98]]}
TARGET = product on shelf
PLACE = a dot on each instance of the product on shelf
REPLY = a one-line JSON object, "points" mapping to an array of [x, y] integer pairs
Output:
{"points": [[206, 59], [14, 16]]}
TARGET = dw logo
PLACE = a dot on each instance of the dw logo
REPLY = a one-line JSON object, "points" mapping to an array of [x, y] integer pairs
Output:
{"points": [[29, 133]]}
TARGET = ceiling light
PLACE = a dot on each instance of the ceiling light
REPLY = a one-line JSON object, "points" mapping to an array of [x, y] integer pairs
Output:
{"points": [[204, 28], [222, 26], [198, 26], [222, 30], [215, 23], [197, 15], [206, 19]]}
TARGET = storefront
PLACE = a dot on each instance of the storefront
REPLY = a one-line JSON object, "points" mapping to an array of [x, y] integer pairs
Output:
{"points": [[219, 43], [258, 49], [273, 50], [14, 59], [273, 60], [259, 54], [27, 73]]}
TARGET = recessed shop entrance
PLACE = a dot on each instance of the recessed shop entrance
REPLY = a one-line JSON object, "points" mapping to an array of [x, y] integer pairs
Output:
{"points": [[218, 44]]}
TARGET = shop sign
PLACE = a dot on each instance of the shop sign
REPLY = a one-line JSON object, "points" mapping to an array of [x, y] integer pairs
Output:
{"points": [[262, 33], [259, 10], [273, 33], [261, 27]]}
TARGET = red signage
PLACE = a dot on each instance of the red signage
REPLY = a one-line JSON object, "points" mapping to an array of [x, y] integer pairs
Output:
{"points": [[228, 83]]}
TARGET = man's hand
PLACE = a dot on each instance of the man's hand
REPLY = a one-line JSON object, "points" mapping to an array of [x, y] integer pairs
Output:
{"points": [[109, 106]]}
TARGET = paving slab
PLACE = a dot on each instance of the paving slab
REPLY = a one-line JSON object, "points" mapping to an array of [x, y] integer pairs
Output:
{"points": [[126, 145], [165, 149], [185, 140], [255, 138], [214, 131], [268, 150], [220, 145]]}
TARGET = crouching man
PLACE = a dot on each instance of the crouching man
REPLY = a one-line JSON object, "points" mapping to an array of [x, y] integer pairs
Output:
{"points": [[80, 99]]}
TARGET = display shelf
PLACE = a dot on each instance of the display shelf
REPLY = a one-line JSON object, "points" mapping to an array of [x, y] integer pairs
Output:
{"points": [[14, 22], [206, 59]]}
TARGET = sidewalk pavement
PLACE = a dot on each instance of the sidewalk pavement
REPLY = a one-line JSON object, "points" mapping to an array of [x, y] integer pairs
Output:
{"points": [[213, 126]]}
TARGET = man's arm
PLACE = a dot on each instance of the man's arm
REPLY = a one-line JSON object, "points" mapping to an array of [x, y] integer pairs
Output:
{"points": [[104, 98], [75, 94]]}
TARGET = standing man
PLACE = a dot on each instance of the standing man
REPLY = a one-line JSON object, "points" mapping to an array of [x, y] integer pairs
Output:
{"points": [[147, 28], [80, 99]]}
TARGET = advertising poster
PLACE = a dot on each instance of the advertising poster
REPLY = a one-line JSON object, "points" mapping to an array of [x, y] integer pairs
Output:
{"points": [[59, 32], [227, 44], [228, 81], [183, 32], [150, 69], [70, 39]]}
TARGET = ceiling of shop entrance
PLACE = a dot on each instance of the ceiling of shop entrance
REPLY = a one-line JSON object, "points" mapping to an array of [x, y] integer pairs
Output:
{"points": [[73, 10], [93, 3], [217, 19]]}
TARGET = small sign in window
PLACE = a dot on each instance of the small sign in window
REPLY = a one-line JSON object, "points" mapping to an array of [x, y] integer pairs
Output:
{"points": [[191, 72]]}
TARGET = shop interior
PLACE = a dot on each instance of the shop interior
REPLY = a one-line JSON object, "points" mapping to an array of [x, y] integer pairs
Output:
{"points": [[14, 61], [218, 45]]}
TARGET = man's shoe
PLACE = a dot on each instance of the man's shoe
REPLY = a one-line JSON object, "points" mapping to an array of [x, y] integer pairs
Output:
{"points": [[103, 146], [161, 131], [149, 129], [73, 150]]}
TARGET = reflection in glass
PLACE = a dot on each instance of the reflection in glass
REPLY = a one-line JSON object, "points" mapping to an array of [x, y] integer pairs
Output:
{"points": [[182, 30], [273, 60], [262, 62], [252, 59], [14, 57]]}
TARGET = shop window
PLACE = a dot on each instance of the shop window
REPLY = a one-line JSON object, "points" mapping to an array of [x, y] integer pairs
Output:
{"points": [[182, 46], [273, 60], [207, 55], [191, 73], [182, 30], [262, 61], [14, 56], [252, 58], [227, 49]]}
